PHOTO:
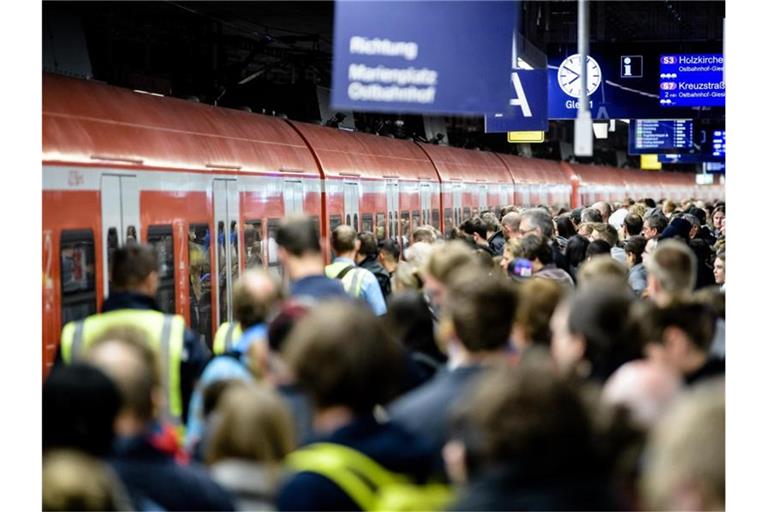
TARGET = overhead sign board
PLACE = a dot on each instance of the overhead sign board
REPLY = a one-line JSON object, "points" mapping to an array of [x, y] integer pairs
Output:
{"points": [[691, 80], [526, 107], [438, 57], [659, 135]]}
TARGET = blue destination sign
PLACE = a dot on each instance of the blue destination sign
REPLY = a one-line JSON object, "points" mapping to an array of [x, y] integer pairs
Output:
{"points": [[443, 57], [526, 109], [654, 135], [691, 80]]}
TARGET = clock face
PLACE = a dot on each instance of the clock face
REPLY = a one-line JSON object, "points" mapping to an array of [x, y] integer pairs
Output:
{"points": [[569, 75]]}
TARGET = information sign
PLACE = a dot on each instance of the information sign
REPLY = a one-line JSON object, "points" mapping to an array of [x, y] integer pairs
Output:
{"points": [[691, 80], [659, 135]]}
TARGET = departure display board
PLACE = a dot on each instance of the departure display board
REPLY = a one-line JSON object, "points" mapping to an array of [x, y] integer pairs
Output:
{"points": [[660, 135], [691, 80], [718, 144]]}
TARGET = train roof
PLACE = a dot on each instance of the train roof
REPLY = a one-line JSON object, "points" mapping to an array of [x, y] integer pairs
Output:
{"points": [[534, 170], [455, 164], [92, 123], [341, 153]]}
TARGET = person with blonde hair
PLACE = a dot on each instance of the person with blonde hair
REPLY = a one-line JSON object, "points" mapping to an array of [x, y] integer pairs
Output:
{"points": [[602, 267], [73, 480], [671, 271], [251, 434], [538, 299]]}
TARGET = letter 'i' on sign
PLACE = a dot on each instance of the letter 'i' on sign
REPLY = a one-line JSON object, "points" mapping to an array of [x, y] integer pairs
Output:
{"points": [[631, 66]]}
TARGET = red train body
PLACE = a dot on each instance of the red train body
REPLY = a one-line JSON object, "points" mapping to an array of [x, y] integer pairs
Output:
{"points": [[190, 178]]}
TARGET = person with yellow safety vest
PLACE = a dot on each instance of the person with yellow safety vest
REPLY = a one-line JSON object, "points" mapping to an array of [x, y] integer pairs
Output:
{"points": [[182, 355], [357, 281], [226, 335]]}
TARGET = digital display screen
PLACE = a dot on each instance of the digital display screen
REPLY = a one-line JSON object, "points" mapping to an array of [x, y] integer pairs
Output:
{"points": [[660, 135], [718, 144], [691, 80]]}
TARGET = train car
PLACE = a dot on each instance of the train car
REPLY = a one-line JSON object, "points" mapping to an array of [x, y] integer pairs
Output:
{"points": [[207, 186]]}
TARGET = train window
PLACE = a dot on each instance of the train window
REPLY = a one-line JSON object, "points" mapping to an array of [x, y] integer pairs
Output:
{"points": [[348, 220], [391, 226], [335, 221], [272, 260], [448, 220], [380, 225], [200, 281], [467, 214], [161, 238], [112, 243], [367, 222], [405, 223], [130, 235], [316, 222], [416, 216], [234, 248], [436, 218], [254, 246], [78, 275], [355, 223]]}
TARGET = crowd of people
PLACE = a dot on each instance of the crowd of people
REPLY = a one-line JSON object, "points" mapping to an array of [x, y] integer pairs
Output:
{"points": [[528, 359]]}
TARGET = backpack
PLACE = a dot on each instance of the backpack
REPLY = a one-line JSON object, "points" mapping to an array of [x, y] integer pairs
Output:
{"points": [[366, 482]]}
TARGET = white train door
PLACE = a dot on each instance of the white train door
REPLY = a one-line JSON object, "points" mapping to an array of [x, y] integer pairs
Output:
{"points": [[393, 206], [119, 217], [352, 204], [226, 214]]}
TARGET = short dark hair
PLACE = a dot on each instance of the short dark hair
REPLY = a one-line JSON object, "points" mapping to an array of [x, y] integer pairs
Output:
{"points": [[482, 309], [535, 247], [633, 224], [576, 250], [635, 245], [650, 203], [604, 231], [298, 236], [343, 239], [565, 227], [341, 355], [131, 265], [80, 404], [696, 319], [596, 247], [591, 215], [540, 218], [576, 215], [475, 225], [657, 222], [368, 245], [390, 246]]}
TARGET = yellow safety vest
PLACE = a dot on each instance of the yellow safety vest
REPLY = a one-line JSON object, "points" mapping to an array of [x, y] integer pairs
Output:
{"points": [[352, 281], [165, 334], [226, 335]]}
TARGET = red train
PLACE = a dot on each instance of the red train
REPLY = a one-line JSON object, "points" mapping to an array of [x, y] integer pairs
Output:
{"points": [[187, 177]]}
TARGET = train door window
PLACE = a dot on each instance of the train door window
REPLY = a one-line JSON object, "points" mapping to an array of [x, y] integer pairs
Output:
{"points": [[391, 226], [335, 221], [355, 223], [78, 275], [405, 222], [380, 222], [200, 281], [436, 218], [367, 222], [130, 235], [254, 246], [467, 213], [416, 216], [273, 262], [161, 238], [348, 219], [112, 244], [316, 222], [448, 220]]}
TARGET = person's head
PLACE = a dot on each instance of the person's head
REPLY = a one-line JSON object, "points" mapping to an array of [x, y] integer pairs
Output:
{"points": [[592, 332], [124, 354], [298, 241], [342, 357], [565, 227], [344, 241], [409, 321], [491, 222], [604, 208], [479, 311], [442, 265], [135, 269], [536, 221], [678, 228], [254, 296], [602, 267], [695, 224], [617, 219], [536, 249], [389, 254], [538, 299], [251, 424], [406, 278], [646, 389], [650, 203], [634, 246], [633, 225], [719, 267], [369, 248], [526, 417], [638, 209], [653, 226], [671, 270], [668, 207], [424, 234], [598, 247], [603, 231], [679, 334], [576, 250], [591, 215], [685, 457], [576, 215], [74, 480], [80, 404], [718, 214], [476, 227], [510, 225], [418, 254]]}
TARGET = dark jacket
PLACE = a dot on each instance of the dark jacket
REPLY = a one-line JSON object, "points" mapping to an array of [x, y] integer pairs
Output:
{"points": [[496, 243], [195, 355], [147, 466], [318, 287], [382, 276], [714, 367], [389, 445]]}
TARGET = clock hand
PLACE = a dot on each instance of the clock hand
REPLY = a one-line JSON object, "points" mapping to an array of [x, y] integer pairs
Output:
{"points": [[569, 69], [569, 83]]}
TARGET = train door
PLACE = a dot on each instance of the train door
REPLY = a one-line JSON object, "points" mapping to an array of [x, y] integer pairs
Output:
{"points": [[483, 196], [226, 211], [119, 217], [293, 197], [425, 202], [393, 205], [457, 203], [352, 204]]}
